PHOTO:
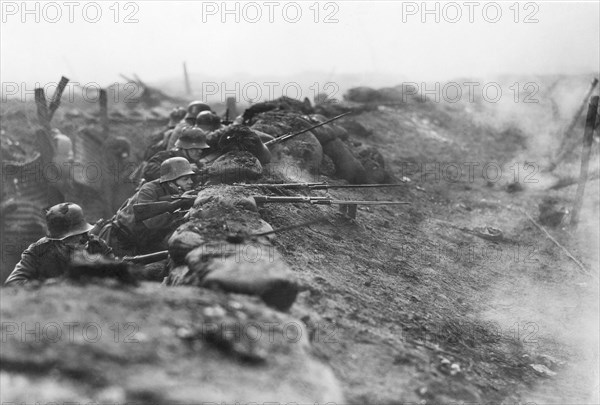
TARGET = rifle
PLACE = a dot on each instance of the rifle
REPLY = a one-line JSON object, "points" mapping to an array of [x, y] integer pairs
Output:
{"points": [[347, 207], [215, 155], [263, 199], [149, 258], [314, 186], [146, 211], [284, 138]]}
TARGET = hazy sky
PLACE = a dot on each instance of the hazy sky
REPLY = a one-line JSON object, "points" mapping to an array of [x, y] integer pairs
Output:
{"points": [[361, 37]]}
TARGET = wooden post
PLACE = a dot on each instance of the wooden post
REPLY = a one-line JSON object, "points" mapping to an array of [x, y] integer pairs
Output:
{"points": [[43, 139], [563, 150], [590, 122], [104, 112], [231, 106], [186, 77], [42, 109], [55, 103]]}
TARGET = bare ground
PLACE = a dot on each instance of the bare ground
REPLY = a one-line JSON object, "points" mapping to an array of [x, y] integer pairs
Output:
{"points": [[403, 304]]}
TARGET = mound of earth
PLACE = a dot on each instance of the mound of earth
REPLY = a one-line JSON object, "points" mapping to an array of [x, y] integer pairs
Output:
{"points": [[401, 304]]}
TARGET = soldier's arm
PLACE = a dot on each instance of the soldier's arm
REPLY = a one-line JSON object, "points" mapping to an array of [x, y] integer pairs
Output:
{"points": [[147, 194], [26, 270], [97, 245]]}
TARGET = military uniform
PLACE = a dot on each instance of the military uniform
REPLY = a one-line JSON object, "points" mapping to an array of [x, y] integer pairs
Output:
{"points": [[194, 108], [48, 258], [177, 132], [127, 235], [152, 169], [191, 145]]}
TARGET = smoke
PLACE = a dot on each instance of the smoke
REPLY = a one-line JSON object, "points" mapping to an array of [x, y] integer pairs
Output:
{"points": [[548, 304]]}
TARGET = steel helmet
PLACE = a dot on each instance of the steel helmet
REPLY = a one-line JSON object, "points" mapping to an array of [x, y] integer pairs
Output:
{"points": [[192, 138], [64, 220], [207, 118], [64, 146], [176, 115], [196, 107], [174, 168], [190, 118]]}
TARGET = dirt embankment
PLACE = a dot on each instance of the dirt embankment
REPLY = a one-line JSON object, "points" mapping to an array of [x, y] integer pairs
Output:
{"points": [[404, 304]]}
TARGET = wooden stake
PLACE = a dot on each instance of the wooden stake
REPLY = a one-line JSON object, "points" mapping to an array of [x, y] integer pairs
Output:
{"points": [[569, 181], [588, 136], [231, 106], [188, 88], [563, 150], [569, 255], [55, 103], [104, 112], [42, 109]]}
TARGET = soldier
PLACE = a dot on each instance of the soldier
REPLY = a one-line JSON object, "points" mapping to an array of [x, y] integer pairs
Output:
{"points": [[160, 140], [191, 146], [64, 147], [208, 121], [49, 257], [194, 108], [130, 234]]}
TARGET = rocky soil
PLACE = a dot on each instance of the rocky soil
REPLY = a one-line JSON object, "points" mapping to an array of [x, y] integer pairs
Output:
{"points": [[404, 304]]}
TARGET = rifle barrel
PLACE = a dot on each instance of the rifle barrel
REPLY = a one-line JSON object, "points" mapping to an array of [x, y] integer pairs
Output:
{"points": [[368, 202], [292, 135], [149, 258], [316, 186], [322, 201], [281, 185], [326, 186]]}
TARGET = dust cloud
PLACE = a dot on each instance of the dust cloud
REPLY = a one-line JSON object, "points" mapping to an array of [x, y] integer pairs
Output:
{"points": [[557, 322]]}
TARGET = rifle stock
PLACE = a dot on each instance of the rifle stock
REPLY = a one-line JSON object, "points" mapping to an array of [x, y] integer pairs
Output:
{"points": [[145, 211]]}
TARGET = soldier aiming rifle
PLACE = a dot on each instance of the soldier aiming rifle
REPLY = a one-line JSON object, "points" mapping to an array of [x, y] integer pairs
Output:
{"points": [[145, 220]]}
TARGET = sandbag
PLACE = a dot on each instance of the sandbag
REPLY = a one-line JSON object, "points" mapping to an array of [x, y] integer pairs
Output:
{"points": [[327, 167], [253, 269], [181, 242], [356, 128], [346, 165], [362, 94], [328, 132], [238, 138], [234, 167], [178, 276], [324, 134], [373, 162], [216, 202], [304, 151]]}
